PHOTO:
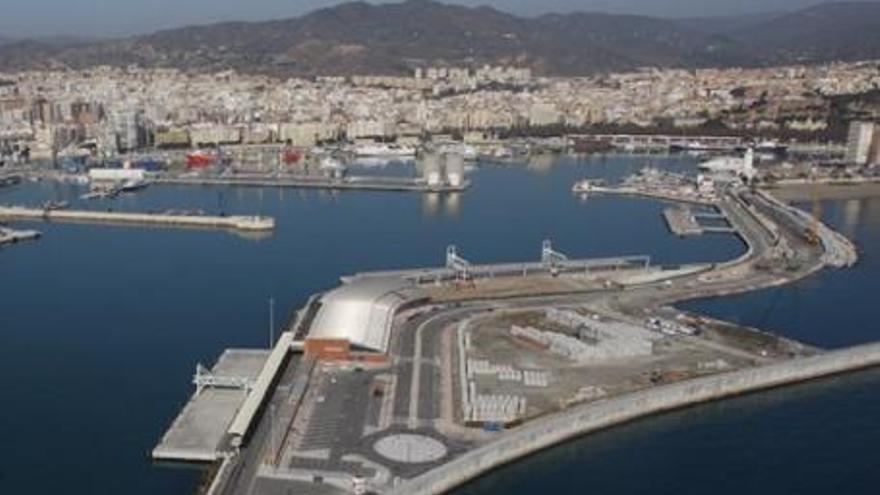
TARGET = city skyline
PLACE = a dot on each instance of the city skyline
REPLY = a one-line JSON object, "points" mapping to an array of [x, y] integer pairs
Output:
{"points": [[102, 18]]}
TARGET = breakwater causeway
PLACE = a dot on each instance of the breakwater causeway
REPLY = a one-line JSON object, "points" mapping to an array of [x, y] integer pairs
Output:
{"points": [[242, 223], [588, 418]]}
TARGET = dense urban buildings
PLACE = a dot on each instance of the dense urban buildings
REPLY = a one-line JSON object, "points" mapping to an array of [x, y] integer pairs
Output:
{"points": [[863, 143], [111, 111]]}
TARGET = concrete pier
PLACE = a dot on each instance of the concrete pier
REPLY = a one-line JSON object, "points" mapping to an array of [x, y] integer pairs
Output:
{"points": [[681, 222], [684, 222], [242, 223], [198, 433]]}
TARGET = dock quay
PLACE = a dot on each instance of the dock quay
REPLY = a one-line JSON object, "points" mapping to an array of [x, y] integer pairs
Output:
{"points": [[466, 270], [682, 221], [241, 223], [361, 183], [199, 431], [10, 236]]}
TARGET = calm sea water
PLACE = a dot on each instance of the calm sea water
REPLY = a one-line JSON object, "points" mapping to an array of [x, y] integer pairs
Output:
{"points": [[101, 326]]}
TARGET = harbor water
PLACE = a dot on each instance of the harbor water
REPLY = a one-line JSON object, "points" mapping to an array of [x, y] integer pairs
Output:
{"points": [[102, 327]]}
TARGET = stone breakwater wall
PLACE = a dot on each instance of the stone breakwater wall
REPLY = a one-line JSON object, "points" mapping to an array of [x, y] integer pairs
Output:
{"points": [[552, 430]]}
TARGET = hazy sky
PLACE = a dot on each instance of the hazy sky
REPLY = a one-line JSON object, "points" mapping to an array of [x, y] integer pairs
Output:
{"points": [[24, 18]]}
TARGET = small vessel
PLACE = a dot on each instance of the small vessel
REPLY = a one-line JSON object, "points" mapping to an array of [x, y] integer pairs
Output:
{"points": [[133, 185], [384, 150], [586, 186]]}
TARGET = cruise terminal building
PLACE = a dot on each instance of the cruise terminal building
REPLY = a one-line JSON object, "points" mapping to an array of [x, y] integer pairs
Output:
{"points": [[354, 321]]}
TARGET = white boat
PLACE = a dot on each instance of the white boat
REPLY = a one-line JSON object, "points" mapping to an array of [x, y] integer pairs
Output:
{"points": [[585, 186], [384, 150], [133, 185]]}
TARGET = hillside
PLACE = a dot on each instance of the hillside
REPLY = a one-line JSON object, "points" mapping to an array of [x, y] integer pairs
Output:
{"points": [[834, 31], [392, 38]]}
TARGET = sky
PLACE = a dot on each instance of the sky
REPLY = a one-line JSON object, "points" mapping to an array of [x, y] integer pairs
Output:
{"points": [[106, 18]]}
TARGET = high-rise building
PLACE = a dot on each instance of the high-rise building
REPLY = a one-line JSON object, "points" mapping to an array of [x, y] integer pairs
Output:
{"points": [[859, 141]]}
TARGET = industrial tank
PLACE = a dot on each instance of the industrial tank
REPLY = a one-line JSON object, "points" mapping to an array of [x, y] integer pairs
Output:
{"points": [[455, 169], [432, 170]]}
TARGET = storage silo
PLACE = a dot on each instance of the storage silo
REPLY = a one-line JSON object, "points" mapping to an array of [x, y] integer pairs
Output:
{"points": [[432, 170], [455, 169]]}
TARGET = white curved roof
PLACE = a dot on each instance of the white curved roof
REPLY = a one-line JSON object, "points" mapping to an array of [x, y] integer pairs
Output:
{"points": [[362, 311]]}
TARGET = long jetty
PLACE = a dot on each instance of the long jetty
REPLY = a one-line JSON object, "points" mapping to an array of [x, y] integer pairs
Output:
{"points": [[241, 223]]}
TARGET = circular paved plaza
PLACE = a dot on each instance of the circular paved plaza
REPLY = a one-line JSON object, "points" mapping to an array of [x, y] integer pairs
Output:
{"points": [[410, 448]]}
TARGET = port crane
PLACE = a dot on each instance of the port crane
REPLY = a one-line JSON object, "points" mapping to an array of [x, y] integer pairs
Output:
{"points": [[551, 258]]}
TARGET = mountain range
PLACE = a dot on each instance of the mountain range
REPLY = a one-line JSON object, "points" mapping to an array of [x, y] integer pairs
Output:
{"points": [[392, 38]]}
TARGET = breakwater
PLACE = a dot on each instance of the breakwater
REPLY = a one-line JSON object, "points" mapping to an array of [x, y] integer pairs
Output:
{"points": [[588, 418], [243, 223]]}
